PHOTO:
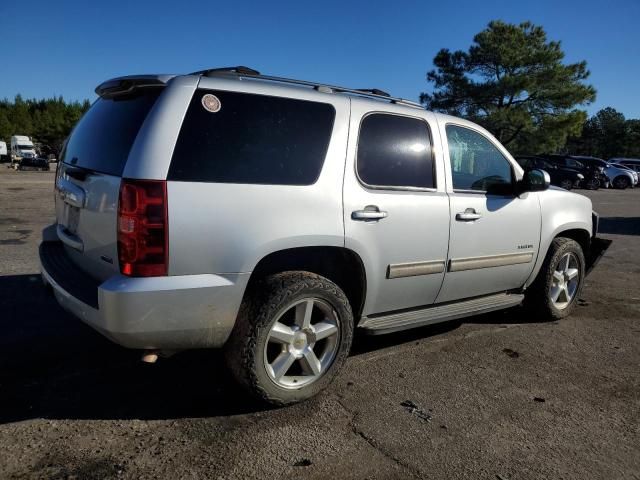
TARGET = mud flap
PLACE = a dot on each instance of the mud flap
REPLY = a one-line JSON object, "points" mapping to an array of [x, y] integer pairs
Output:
{"points": [[598, 248]]}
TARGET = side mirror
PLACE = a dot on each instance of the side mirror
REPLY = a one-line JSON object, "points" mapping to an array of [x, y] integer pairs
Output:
{"points": [[535, 180]]}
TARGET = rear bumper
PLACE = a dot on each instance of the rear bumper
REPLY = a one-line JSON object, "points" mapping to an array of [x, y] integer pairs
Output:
{"points": [[173, 312]]}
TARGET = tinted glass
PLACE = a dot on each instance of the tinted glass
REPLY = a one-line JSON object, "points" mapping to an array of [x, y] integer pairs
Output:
{"points": [[103, 137], [395, 151], [252, 139], [570, 162], [476, 164], [526, 163]]}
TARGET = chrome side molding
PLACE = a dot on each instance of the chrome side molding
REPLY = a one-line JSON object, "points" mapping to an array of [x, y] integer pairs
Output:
{"points": [[473, 263], [412, 269]]}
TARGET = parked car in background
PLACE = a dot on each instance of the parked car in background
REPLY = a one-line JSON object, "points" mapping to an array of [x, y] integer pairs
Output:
{"points": [[624, 167], [594, 176], [274, 217], [37, 163], [3, 152], [632, 163], [566, 178], [618, 177]]}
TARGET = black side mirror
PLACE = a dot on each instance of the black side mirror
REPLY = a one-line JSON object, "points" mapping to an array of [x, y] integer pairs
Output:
{"points": [[535, 180]]}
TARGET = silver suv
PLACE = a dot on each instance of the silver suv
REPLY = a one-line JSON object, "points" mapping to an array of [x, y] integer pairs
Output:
{"points": [[274, 217]]}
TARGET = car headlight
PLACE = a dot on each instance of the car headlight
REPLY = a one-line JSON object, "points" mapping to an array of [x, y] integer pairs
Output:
{"points": [[580, 176]]}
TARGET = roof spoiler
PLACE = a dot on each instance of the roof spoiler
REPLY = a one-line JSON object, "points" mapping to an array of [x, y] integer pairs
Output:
{"points": [[121, 86]]}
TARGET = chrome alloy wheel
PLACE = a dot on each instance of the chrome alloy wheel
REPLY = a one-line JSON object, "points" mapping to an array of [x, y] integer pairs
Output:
{"points": [[302, 343], [566, 278]]}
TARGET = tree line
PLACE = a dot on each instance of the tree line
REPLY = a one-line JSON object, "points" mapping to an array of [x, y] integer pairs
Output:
{"points": [[607, 134], [514, 82], [48, 121]]}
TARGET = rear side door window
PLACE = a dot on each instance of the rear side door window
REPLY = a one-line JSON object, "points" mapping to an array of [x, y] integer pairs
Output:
{"points": [[395, 151], [570, 162], [476, 163]]}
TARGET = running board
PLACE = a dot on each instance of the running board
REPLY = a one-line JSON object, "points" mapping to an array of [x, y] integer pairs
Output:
{"points": [[439, 313]]}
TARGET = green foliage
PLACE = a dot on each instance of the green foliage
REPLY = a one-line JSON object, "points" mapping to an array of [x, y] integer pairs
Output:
{"points": [[608, 134], [513, 82], [48, 122]]}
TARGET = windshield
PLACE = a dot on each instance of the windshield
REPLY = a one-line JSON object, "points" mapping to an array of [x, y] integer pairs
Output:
{"points": [[25, 147]]}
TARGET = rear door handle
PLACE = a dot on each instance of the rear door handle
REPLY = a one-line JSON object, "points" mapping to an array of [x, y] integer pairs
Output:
{"points": [[370, 212], [71, 193], [469, 215]]}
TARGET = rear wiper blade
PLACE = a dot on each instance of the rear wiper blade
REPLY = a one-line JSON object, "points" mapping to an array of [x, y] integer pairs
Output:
{"points": [[76, 172]]}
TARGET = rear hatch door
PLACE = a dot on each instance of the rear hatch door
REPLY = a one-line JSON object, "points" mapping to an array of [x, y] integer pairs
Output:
{"points": [[89, 175]]}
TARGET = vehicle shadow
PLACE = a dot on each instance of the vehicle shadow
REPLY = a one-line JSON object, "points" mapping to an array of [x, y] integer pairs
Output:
{"points": [[367, 343], [620, 225], [53, 366]]}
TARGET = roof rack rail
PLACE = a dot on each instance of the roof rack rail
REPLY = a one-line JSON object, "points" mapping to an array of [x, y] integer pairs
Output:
{"points": [[240, 70], [375, 91], [251, 73]]}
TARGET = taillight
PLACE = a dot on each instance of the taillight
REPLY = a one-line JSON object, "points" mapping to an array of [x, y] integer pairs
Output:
{"points": [[142, 228]]}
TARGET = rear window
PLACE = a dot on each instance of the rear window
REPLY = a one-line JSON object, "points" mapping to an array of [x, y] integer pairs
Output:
{"points": [[231, 137], [103, 137]]}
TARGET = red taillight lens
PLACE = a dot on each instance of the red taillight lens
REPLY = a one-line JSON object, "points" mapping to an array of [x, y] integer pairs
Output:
{"points": [[143, 228]]}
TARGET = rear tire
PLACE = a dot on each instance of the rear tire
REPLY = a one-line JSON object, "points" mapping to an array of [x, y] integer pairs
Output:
{"points": [[592, 184], [556, 289], [566, 184], [292, 336], [621, 182]]}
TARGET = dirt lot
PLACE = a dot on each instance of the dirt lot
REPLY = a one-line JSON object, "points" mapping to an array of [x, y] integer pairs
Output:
{"points": [[498, 396]]}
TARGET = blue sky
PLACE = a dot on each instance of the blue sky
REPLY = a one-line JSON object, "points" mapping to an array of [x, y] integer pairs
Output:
{"points": [[68, 47]]}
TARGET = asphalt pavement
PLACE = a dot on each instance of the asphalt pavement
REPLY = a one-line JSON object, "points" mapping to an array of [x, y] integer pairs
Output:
{"points": [[498, 396]]}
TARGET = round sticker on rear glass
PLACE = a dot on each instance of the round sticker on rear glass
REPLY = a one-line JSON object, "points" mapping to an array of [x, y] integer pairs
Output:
{"points": [[211, 103]]}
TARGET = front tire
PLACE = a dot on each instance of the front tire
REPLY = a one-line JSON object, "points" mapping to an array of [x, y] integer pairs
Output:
{"points": [[292, 336], [556, 289]]}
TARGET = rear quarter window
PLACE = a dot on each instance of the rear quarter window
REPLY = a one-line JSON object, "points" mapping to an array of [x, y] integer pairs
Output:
{"points": [[252, 139], [103, 137]]}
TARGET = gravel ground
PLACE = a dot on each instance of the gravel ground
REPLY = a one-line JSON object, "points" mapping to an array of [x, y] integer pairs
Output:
{"points": [[497, 396]]}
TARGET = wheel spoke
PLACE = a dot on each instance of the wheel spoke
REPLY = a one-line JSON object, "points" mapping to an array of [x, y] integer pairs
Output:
{"points": [[564, 264], [565, 291], [324, 330], [281, 333], [557, 276], [282, 364], [310, 363], [572, 273], [303, 314], [555, 293]]}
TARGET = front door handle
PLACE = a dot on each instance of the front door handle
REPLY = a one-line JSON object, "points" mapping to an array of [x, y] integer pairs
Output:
{"points": [[370, 212], [469, 215]]}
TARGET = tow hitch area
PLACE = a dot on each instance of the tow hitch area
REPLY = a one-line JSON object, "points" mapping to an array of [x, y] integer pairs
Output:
{"points": [[598, 247]]}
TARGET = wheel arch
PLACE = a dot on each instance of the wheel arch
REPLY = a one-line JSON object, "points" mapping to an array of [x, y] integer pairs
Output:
{"points": [[628, 178], [581, 234], [341, 265]]}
